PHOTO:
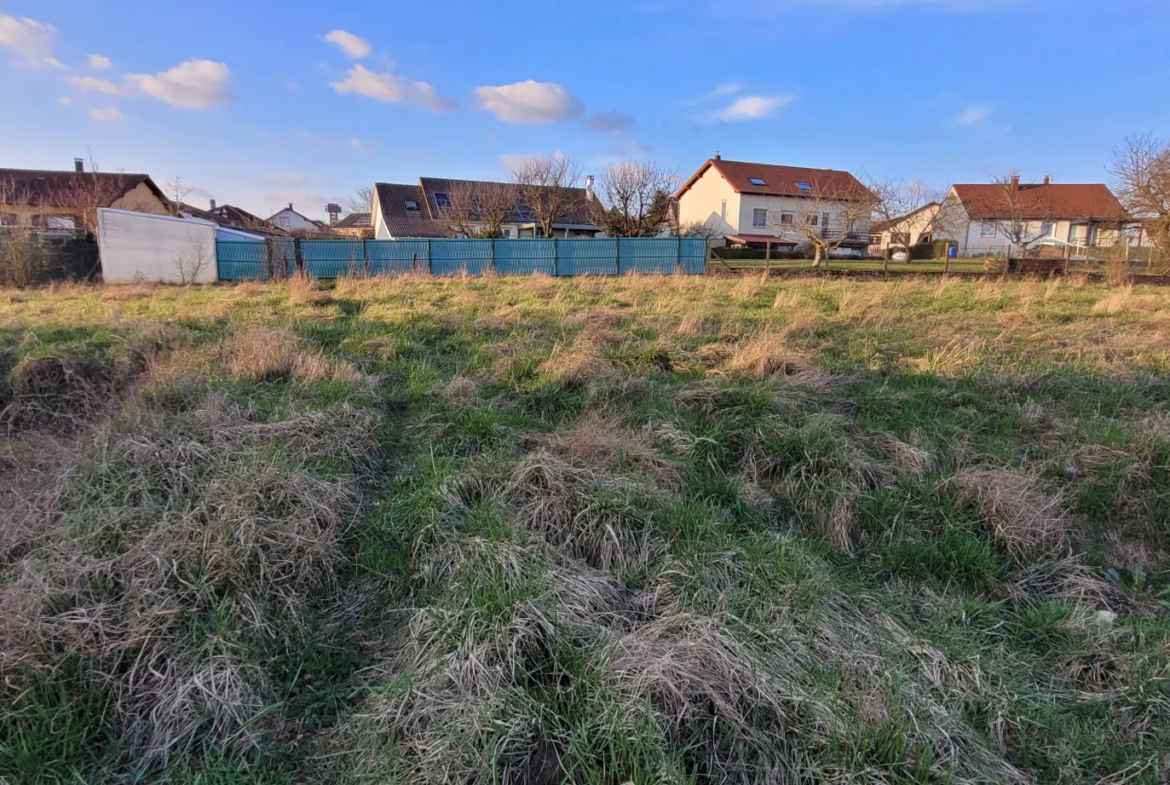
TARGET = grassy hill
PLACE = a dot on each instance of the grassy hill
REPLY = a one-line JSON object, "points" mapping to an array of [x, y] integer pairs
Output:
{"points": [[599, 530]]}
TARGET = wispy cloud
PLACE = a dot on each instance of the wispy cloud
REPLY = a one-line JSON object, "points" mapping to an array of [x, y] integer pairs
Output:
{"points": [[294, 180], [608, 122], [195, 84], [529, 102], [354, 46], [726, 88], [360, 145], [99, 62], [392, 88], [105, 115], [750, 107], [973, 114], [91, 84], [31, 40]]}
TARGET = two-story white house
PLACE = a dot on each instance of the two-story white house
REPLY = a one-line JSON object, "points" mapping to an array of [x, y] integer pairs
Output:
{"points": [[765, 205], [1076, 214]]}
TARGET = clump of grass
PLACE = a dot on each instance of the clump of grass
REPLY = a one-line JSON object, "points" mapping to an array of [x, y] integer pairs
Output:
{"points": [[1018, 512], [305, 289], [261, 354]]}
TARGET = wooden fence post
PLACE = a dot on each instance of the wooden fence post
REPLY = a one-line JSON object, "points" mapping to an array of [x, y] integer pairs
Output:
{"points": [[430, 261]]}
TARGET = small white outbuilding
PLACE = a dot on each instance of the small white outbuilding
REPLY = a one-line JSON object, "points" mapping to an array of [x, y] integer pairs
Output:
{"points": [[144, 247]]}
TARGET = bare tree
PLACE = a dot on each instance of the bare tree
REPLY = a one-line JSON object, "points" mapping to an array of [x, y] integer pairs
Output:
{"points": [[912, 213], [176, 191], [698, 229], [1142, 171], [363, 200], [829, 215], [480, 210], [547, 188], [192, 263], [1024, 213], [633, 199]]}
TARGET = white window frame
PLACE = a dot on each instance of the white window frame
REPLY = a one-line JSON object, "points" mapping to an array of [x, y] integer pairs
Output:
{"points": [[787, 218], [987, 230], [759, 218]]}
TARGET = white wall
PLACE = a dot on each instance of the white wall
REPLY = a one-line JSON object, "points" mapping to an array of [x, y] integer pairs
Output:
{"points": [[293, 221], [144, 247], [703, 203], [800, 209]]}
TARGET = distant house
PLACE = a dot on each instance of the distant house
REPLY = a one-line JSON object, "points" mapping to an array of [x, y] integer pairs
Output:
{"points": [[904, 231], [229, 216], [424, 210], [290, 220], [760, 205], [355, 225], [67, 201], [1073, 214]]}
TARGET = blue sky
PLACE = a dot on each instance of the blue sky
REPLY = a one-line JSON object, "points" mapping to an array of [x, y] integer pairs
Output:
{"points": [[259, 103]]}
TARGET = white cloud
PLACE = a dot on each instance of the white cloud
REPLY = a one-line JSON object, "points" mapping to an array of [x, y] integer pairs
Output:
{"points": [[105, 115], [65, 100], [513, 161], [529, 102], [91, 84], [726, 88], [608, 122], [99, 62], [976, 113], [354, 46], [392, 88], [360, 146], [294, 180], [752, 107], [30, 39], [195, 84]]}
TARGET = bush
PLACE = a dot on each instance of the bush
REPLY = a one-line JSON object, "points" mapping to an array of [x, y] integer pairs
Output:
{"points": [[934, 250]]}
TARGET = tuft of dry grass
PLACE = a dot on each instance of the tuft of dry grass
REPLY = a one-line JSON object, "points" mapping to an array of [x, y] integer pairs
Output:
{"points": [[304, 289], [1019, 513], [263, 354], [599, 444]]}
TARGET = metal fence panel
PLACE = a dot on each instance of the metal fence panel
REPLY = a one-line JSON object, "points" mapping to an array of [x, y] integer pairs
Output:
{"points": [[454, 257], [648, 255], [333, 258], [587, 257], [395, 257], [526, 257], [277, 257], [255, 260]]}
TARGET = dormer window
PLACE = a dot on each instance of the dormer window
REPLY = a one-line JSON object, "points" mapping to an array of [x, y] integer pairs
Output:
{"points": [[442, 201], [756, 181], [411, 204]]}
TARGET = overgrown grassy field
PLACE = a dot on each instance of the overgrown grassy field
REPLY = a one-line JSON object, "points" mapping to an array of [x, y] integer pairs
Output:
{"points": [[530, 530]]}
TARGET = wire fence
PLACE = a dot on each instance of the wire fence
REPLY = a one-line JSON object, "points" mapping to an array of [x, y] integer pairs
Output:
{"points": [[279, 257]]}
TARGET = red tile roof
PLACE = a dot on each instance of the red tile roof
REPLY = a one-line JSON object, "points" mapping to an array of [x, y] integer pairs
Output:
{"points": [[57, 188], [1059, 202], [782, 180]]}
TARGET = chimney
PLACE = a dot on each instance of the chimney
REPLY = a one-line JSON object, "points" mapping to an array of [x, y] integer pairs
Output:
{"points": [[717, 156], [1048, 179], [1015, 183], [589, 188], [212, 205], [78, 165]]}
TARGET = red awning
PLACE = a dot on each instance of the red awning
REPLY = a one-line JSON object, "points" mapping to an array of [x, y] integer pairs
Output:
{"points": [[758, 238]]}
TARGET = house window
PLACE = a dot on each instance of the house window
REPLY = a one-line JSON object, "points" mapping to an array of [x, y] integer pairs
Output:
{"points": [[1046, 228], [815, 220], [723, 210], [825, 220], [507, 232], [8, 219], [804, 186], [759, 218], [987, 229], [411, 204], [442, 201], [787, 219], [61, 222], [756, 181]]}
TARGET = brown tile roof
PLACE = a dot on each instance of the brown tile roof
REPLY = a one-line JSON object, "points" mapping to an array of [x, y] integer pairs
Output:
{"points": [[353, 221], [392, 199], [52, 187], [877, 227], [427, 220], [782, 180], [1059, 202]]}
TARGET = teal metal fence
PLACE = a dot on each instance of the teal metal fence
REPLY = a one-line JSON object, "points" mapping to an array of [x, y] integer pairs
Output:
{"points": [[339, 258]]}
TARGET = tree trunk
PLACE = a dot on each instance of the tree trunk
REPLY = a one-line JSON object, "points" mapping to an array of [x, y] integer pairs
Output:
{"points": [[816, 256]]}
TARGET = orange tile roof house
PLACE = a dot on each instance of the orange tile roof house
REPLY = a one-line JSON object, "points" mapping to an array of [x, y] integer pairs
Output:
{"points": [[756, 204], [1077, 214]]}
